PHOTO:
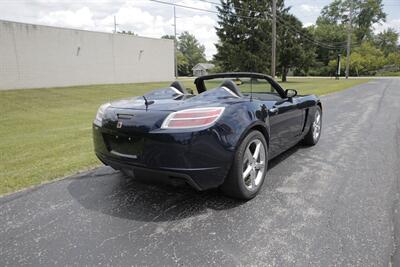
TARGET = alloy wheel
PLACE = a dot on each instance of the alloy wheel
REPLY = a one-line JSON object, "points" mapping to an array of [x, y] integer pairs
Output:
{"points": [[317, 125], [254, 164]]}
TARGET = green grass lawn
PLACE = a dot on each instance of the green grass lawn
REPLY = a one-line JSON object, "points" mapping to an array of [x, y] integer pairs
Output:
{"points": [[46, 133], [389, 74]]}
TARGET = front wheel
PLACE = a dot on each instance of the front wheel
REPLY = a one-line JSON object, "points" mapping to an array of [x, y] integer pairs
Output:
{"points": [[314, 133], [248, 170]]}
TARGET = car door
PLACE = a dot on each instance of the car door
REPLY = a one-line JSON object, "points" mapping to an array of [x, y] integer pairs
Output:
{"points": [[286, 120], [286, 123]]}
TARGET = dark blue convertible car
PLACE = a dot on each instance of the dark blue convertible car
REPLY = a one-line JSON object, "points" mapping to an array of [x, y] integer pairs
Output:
{"points": [[223, 136]]}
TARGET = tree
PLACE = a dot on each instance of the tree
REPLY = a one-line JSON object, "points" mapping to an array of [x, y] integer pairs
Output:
{"points": [[331, 30], [170, 37], [245, 35], [293, 48], [365, 14], [365, 60], [387, 41], [127, 32], [394, 59], [331, 34], [245, 38], [191, 50], [183, 69]]}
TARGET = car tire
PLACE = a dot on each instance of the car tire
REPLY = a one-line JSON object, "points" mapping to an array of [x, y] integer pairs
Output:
{"points": [[248, 171], [314, 133]]}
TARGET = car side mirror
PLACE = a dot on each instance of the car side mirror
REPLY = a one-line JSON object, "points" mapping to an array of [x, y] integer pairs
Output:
{"points": [[290, 93]]}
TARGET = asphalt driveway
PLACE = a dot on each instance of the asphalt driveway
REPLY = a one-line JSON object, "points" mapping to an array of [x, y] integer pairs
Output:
{"points": [[333, 204]]}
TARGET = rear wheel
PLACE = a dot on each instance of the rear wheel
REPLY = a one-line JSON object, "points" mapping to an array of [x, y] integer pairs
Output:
{"points": [[314, 133], [248, 171]]}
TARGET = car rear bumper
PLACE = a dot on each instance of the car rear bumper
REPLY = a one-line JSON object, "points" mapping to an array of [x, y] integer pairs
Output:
{"points": [[200, 159], [200, 179]]}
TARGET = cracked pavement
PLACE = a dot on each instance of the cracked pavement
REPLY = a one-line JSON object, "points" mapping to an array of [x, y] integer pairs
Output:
{"points": [[333, 204]]}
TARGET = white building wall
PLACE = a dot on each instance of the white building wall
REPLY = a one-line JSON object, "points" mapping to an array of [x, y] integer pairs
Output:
{"points": [[33, 56]]}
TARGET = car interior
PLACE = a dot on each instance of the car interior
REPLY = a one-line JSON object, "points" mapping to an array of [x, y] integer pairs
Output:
{"points": [[244, 87], [259, 89], [179, 86], [229, 84]]}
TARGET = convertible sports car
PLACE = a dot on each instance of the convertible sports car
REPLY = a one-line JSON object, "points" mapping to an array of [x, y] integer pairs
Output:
{"points": [[223, 136]]}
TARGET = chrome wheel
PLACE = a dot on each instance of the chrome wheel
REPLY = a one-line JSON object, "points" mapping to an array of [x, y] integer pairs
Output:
{"points": [[254, 164], [317, 125]]}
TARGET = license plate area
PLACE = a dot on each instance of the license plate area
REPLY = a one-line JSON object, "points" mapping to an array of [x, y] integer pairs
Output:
{"points": [[124, 146]]}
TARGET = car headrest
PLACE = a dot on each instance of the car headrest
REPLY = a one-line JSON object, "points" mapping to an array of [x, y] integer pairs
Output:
{"points": [[231, 86], [178, 86]]}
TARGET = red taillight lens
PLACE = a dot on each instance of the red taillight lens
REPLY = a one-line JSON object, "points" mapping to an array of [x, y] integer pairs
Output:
{"points": [[191, 118]]}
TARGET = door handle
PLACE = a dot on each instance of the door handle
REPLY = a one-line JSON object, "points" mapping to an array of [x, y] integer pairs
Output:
{"points": [[274, 111]]}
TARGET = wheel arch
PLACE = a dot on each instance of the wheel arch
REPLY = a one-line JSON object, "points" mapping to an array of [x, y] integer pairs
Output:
{"points": [[319, 104], [310, 113], [258, 126]]}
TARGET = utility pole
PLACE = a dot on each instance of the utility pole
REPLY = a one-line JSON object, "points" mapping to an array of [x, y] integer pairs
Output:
{"points": [[349, 40], [115, 24], [175, 46], [273, 59], [338, 67]]}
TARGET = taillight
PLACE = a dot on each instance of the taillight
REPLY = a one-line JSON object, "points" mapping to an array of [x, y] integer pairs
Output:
{"points": [[191, 118]]}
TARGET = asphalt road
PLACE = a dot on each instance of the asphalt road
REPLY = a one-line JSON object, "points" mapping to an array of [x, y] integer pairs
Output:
{"points": [[333, 204]]}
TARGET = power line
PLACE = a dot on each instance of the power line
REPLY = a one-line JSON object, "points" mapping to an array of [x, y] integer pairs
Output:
{"points": [[183, 6], [282, 22], [291, 28], [314, 41]]}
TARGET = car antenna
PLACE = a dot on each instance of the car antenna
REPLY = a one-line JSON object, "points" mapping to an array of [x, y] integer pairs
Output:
{"points": [[251, 89], [146, 102]]}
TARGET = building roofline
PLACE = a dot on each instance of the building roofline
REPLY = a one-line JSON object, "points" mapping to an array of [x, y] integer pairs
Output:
{"points": [[82, 30]]}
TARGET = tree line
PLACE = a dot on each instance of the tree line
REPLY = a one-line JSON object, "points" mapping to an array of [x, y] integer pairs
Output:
{"points": [[244, 31]]}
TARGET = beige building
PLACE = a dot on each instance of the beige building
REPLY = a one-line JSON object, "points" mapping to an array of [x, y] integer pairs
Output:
{"points": [[33, 56]]}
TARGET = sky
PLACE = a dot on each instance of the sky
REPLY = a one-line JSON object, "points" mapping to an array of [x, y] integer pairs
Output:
{"points": [[151, 19]]}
